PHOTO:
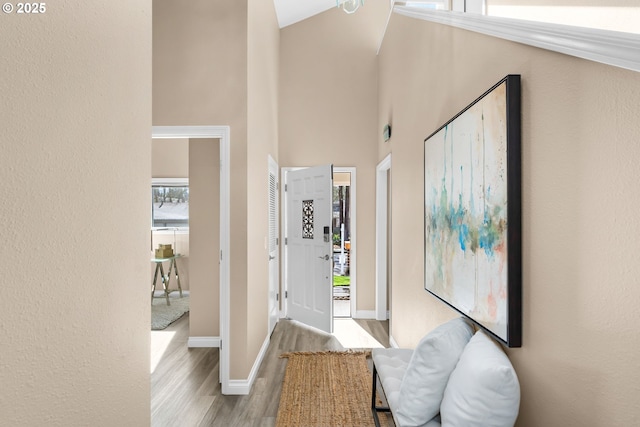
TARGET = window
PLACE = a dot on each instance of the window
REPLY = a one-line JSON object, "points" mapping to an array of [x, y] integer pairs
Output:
{"points": [[169, 203]]}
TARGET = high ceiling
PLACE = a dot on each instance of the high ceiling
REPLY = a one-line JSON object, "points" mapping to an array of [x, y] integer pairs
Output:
{"points": [[291, 11]]}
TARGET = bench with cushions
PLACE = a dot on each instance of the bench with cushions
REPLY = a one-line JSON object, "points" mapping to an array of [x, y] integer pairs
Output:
{"points": [[454, 377]]}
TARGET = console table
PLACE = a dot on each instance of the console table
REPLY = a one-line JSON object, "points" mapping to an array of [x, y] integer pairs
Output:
{"points": [[173, 267]]}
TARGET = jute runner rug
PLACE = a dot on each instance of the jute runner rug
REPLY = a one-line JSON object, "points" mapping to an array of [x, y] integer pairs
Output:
{"points": [[326, 389]]}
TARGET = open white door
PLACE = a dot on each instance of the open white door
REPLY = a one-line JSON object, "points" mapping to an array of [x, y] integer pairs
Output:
{"points": [[309, 246]]}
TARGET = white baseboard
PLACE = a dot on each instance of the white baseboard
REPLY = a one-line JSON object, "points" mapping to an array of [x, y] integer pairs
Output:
{"points": [[393, 342], [238, 387], [243, 387], [203, 342], [387, 316]]}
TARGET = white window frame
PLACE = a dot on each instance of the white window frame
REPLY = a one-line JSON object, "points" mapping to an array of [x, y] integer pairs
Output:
{"points": [[168, 182]]}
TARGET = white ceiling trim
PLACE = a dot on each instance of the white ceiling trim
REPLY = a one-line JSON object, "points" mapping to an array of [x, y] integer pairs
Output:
{"points": [[608, 47]]}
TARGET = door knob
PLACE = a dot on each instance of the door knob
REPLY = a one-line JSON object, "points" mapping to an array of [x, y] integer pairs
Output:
{"points": [[271, 257], [326, 257]]}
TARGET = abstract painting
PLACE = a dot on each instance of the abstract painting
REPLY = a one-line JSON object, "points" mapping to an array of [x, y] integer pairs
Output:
{"points": [[472, 212]]}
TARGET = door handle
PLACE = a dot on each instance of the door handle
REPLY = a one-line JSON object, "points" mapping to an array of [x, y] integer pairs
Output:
{"points": [[271, 257], [326, 257]]}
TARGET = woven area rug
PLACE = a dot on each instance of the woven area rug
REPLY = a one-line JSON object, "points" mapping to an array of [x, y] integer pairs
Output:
{"points": [[162, 315], [326, 389]]}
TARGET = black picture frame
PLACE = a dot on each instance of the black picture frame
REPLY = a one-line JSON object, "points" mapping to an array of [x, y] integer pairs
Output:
{"points": [[473, 212]]}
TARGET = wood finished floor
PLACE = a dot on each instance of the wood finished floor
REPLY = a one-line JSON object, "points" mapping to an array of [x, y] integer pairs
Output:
{"points": [[184, 384]]}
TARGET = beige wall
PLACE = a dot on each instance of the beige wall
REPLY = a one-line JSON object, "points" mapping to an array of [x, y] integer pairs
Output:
{"points": [[207, 55], [200, 78], [262, 132], [75, 205], [204, 232], [578, 362], [328, 110], [170, 158]]}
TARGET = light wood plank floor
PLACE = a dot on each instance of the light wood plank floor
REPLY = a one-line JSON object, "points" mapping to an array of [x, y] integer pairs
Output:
{"points": [[184, 382]]}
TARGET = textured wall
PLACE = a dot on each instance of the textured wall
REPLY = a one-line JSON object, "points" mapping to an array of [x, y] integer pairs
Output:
{"points": [[75, 167], [578, 362], [200, 78], [216, 63], [170, 158], [263, 44]]}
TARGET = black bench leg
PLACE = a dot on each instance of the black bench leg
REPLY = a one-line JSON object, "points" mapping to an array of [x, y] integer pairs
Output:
{"points": [[375, 409]]}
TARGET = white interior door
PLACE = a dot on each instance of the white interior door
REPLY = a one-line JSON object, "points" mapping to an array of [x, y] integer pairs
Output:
{"points": [[309, 246], [273, 245]]}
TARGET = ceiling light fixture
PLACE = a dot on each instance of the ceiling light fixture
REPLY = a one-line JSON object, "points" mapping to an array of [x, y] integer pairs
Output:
{"points": [[349, 6]]}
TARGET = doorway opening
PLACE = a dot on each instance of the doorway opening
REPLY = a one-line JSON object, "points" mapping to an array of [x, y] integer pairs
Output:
{"points": [[222, 134], [342, 239]]}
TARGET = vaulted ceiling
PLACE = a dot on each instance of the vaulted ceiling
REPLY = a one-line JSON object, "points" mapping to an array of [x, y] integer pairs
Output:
{"points": [[291, 11]]}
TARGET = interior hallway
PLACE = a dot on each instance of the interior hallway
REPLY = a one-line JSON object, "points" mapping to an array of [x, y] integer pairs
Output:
{"points": [[184, 382]]}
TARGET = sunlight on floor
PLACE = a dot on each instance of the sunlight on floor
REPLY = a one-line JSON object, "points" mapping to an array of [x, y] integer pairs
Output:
{"points": [[160, 340], [352, 335], [341, 308]]}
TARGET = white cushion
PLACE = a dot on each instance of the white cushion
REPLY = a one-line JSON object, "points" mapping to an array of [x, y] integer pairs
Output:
{"points": [[483, 389], [428, 371], [391, 363], [434, 422]]}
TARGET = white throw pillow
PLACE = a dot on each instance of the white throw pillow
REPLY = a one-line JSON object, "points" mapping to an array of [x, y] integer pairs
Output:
{"points": [[483, 389], [428, 371]]}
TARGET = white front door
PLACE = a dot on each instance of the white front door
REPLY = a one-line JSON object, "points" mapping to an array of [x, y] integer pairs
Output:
{"points": [[309, 246], [273, 245]]}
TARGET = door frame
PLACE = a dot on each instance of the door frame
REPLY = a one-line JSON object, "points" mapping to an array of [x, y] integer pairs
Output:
{"points": [[223, 134], [382, 248], [354, 240]]}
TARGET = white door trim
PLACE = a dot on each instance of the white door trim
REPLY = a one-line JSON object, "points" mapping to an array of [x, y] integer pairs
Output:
{"points": [[222, 133], [283, 246], [381, 237]]}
